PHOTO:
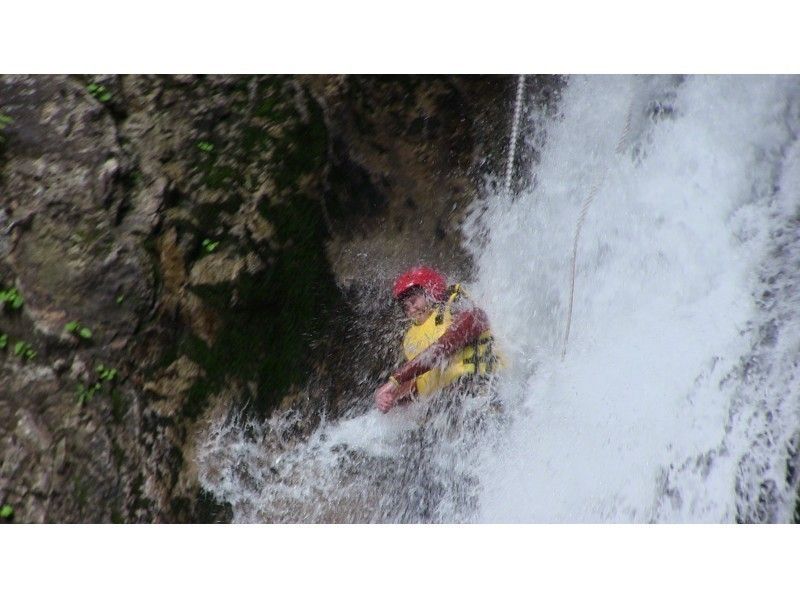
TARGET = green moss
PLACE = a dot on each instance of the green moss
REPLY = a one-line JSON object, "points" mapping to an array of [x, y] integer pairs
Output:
{"points": [[119, 406], [223, 161], [272, 102], [80, 490], [118, 454], [304, 150], [219, 176], [255, 139], [131, 179], [267, 108], [5, 120], [265, 338]]}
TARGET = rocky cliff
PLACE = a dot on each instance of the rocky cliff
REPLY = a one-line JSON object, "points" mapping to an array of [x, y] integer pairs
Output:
{"points": [[178, 248]]}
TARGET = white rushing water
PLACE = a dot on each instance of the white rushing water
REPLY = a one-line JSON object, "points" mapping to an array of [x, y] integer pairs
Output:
{"points": [[679, 396]]}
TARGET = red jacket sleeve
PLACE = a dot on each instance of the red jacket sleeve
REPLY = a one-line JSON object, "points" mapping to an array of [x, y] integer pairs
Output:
{"points": [[467, 326]]}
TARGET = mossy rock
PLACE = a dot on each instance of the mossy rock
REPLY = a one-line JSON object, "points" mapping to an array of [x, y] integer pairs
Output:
{"points": [[267, 318]]}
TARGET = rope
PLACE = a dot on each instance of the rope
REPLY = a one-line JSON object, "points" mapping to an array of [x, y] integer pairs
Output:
{"points": [[512, 143], [581, 218]]}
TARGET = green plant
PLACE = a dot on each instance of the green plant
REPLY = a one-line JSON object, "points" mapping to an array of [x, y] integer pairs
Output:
{"points": [[23, 350], [3, 341], [78, 329], [120, 299], [6, 512], [205, 146], [106, 373], [210, 245], [99, 91], [84, 393], [12, 298]]}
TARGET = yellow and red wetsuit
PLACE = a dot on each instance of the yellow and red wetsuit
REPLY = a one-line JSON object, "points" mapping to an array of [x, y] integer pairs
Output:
{"points": [[451, 344]]}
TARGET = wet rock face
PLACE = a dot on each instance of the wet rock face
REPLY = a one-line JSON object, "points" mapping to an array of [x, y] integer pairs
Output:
{"points": [[407, 159], [408, 156], [63, 253], [184, 246]]}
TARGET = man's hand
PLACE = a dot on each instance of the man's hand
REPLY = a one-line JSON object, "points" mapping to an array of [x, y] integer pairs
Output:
{"points": [[386, 396]]}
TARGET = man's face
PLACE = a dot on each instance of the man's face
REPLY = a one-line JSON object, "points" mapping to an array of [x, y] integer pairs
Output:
{"points": [[416, 306]]}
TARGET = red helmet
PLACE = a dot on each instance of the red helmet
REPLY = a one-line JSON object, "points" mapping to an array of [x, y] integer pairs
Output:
{"points": [[424, 277]]}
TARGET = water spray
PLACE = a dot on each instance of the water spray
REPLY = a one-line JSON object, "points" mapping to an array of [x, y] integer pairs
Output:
{"points": [[581, 218]]}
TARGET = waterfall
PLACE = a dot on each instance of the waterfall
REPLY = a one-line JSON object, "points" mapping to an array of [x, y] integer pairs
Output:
{"points": [[678, 399]]}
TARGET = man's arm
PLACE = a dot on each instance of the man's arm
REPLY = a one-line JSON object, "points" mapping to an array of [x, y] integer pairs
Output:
{"points": [[392, 393]]}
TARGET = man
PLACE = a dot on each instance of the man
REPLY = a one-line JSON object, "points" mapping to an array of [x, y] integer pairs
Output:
{"points": [[448, 343]]}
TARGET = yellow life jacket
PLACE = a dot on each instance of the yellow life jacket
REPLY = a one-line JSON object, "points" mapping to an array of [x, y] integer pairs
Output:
{"points": [[477, 357]]}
